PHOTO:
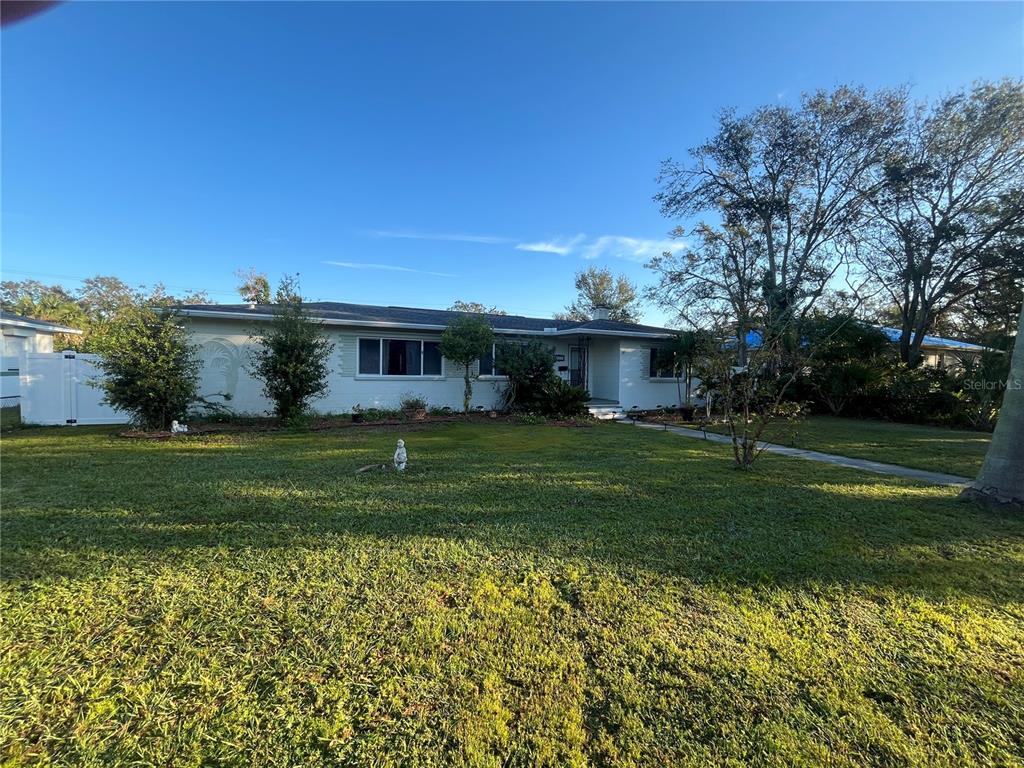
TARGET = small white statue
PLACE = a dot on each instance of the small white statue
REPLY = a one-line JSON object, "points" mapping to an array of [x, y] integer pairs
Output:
{"points": [[401, 456], [178, 429]]}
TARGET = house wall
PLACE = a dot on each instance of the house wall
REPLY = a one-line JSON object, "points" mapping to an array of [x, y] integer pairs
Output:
{"points": [[16, 342], [225, 346], [603, 376], [636, 387]]}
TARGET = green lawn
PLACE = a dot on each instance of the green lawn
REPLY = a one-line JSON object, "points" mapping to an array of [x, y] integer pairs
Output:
{"points": [[954, 451], [523, 595]]}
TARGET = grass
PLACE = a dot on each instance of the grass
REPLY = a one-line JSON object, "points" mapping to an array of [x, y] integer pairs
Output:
{"points": [[10, 417], [522, 596], [938, 449]]}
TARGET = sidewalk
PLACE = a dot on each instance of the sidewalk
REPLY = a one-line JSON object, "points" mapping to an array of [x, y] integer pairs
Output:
{"points": [[936, 478]]}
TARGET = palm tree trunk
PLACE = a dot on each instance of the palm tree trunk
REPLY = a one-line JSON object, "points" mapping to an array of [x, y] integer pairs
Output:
{"points": [[1001, 479]]}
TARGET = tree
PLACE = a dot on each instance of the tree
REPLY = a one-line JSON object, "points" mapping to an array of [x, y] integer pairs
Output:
{"points": [[683, 352], [1001, 478], [788, 188], [790, 180], [599, 288], [530, 367], [255, 287], [151, 370], [102, 297], [717, 281], [288, 291], [466, 339], [291, 357], [475, 307], [90, 309], [947, 206]]}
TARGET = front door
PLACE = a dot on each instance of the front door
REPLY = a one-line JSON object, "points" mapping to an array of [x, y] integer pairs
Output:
{"points": [[577, 367]]}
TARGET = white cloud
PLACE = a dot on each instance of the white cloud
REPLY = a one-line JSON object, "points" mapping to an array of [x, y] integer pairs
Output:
{"points": [[629, 248], [560, 245], [385, 267], [455, 238]]}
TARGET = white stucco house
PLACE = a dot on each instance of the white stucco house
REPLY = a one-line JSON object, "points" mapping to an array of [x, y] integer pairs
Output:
{"points": [[383, 353], [22, 335]]}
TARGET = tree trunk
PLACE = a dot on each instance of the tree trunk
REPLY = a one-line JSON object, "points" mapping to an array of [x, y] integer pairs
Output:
{"points": [[1001, 479], [467, 393]]}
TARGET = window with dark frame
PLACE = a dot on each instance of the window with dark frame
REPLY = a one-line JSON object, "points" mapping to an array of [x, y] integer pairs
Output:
{"points": [[399, 357]]}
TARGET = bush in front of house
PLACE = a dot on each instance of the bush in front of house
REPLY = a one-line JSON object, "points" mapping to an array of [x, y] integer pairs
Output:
{"points": [[529, 367], [290, 358], [151, 371], [561, 400], [411, 402]]}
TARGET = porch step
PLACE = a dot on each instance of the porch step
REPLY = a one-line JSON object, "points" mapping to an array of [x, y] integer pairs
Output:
{"points": [[605, 410]]}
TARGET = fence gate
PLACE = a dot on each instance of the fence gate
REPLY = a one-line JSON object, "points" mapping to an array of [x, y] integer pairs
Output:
{"points": [[55, 389]]}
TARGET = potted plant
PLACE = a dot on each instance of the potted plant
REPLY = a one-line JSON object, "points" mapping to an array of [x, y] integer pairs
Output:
{"points": [[357, 414]]}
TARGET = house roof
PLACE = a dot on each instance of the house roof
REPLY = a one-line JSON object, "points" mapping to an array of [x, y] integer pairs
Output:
{"points": [[936, 342], [11, 319], [893, 334], [339, 313]]}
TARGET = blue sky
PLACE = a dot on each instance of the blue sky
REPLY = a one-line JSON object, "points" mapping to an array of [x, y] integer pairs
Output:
{"points": [[411, 154]]}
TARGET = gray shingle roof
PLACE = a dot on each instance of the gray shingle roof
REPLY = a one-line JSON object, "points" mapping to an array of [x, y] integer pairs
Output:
{"points": [[358, 314]]}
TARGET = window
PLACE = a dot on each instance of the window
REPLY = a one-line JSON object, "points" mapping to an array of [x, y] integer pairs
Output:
{"points": [[431, 358], [660, 366], [488, 366], [399, 357]]}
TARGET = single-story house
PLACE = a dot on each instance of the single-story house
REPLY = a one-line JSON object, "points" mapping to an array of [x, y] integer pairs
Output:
{"points": [[384, 353], [22, 335], [937, 352]]}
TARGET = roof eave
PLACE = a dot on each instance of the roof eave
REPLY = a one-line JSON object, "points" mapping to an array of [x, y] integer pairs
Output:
{"points": [[40, 326], [421, 326]]}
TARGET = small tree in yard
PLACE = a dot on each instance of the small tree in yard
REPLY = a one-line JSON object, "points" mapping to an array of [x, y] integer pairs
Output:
{"points": [[465, 341], [291, 359], [151, 371]]}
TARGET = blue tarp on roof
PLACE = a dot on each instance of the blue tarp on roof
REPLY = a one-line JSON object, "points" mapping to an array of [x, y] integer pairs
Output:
{"points": [[935, 341], [754, 341]]}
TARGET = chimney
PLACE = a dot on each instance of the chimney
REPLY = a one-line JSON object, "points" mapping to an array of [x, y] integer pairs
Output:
{"points": [[600, 312]]}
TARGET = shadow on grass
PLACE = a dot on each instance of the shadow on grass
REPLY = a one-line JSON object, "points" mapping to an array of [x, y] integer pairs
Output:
{"points": [[616, 499]]}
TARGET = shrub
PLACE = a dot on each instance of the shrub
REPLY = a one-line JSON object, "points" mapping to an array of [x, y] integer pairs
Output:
{"points": [[849, 364], [467, 339], [291, 360], [920, 395], [151, 370], [981, 384], [560, 400], [412, 402], [530, 368]]}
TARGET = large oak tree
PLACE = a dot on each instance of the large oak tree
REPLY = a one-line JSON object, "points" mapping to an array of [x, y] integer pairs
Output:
{"points": [[947, 207]]}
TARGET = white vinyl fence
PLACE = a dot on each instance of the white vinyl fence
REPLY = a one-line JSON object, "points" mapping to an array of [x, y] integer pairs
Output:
{"points": [[55, 389]]}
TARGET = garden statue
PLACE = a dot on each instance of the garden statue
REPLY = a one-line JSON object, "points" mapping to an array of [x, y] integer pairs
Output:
{"points": [[400, 456], [178, 429]]}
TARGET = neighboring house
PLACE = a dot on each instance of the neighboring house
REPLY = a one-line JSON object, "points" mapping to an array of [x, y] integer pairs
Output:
{"points": [[384, 353], [22, 335], [937, 352]]}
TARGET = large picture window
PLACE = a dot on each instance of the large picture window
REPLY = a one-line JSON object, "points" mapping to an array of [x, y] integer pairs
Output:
{"points": [[399, 357]]}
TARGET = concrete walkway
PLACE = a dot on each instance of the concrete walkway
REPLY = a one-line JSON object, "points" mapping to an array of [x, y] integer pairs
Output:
{"points": [[936, 478]]}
